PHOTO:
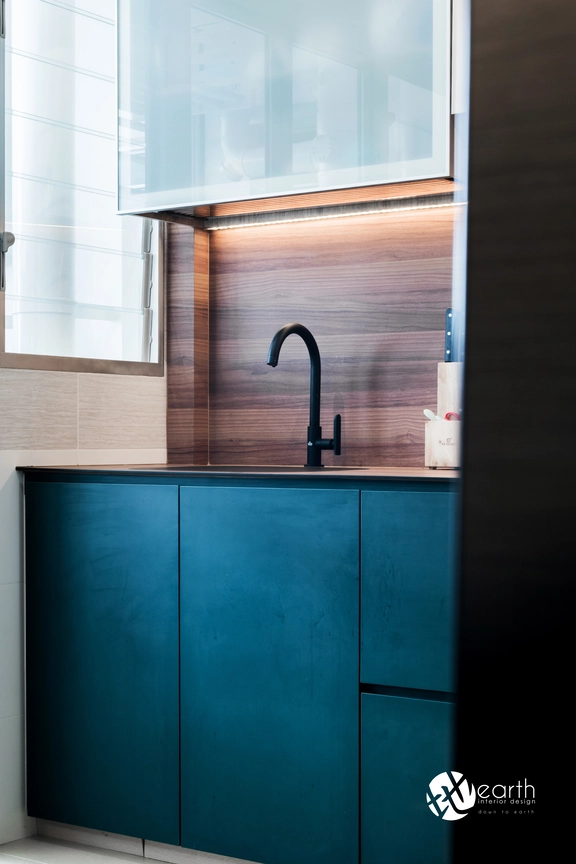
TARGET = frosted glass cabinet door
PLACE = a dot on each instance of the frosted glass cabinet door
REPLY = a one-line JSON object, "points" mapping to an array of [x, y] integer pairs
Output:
{"points": [[226, 100]]}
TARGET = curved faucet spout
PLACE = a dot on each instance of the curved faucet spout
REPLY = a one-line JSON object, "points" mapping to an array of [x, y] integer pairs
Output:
{"points": [[315, 443], [306, 335]]}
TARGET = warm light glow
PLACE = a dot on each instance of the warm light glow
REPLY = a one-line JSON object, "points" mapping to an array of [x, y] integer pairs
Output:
{"points": [[215, 223]]}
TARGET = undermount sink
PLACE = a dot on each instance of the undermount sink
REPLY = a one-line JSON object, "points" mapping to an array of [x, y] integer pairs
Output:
{"points": [[262, 469]]}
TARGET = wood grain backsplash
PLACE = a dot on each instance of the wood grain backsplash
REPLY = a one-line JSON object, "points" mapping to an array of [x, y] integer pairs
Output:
{"points": [[372, 289], [187, 296]]}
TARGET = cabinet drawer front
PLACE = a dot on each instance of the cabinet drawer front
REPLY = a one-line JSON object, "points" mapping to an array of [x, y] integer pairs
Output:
{"points": [[102, 656], [269, 672], [407, 602], [405, 744]]}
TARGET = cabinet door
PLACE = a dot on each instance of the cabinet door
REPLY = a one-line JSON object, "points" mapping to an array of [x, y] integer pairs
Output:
{"points": [[405, 744], [102, 656], [408, 589], [269, 673], [251, 98]]}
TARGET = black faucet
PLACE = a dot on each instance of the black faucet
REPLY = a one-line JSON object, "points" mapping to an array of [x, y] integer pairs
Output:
{"points": [[315, 441]]}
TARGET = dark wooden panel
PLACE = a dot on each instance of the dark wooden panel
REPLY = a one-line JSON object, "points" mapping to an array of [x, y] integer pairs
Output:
{"points": [[519, 468], [373, 290], [187, 345]]}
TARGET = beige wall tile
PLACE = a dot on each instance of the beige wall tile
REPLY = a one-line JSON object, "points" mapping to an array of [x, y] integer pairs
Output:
{"points": [[38, 410], [121, 411], [128, 456]]}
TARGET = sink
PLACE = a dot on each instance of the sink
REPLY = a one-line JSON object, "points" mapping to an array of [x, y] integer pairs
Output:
{"points": [[260, 469]]}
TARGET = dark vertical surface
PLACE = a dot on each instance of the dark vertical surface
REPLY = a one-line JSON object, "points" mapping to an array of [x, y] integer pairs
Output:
{"points": [[269, 673], [102, 656], [405, 743], [407, 597], [518, 552]]}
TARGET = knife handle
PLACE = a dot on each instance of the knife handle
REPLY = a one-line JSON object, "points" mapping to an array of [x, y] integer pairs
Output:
{"points": [[449, 337]]}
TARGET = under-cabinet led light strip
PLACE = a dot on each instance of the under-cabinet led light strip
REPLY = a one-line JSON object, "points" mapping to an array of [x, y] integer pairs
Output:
{"points": [[333, 211]]}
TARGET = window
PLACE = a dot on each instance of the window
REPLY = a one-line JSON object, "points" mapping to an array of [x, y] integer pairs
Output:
{"points": [[82, 283]]}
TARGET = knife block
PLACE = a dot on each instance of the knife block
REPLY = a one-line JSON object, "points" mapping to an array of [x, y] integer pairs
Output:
{"points": [[442, 444], [442, 437], [449, 388]]}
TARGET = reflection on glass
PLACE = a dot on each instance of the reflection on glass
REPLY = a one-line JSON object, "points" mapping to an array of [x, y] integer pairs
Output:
{"points": [[325, 132], [75, 274], [225, 100]]}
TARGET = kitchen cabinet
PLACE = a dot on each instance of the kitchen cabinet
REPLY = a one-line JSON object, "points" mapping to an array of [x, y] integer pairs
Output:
{"points": [[269, 673], [193, 657], [228, 100], [406, 742], [102, 656], [407, 644], [408, 598]]}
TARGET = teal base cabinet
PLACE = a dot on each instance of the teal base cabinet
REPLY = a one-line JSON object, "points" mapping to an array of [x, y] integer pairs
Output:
{"points": [[408, 589], [406, 742], [102, 656], [269, 672], [407, 645], [259, 669]]}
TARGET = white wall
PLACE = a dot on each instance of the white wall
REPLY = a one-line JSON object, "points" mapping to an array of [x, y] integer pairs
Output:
{"points": [[55, 418]]}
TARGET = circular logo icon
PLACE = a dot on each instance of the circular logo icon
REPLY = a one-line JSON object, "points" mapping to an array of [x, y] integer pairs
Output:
{"points": [[450, 796]]}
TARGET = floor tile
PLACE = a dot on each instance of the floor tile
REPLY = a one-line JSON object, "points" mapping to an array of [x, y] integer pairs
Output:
{"points": [[178, 855], [43, 850], [48, 850], [89, 837]]}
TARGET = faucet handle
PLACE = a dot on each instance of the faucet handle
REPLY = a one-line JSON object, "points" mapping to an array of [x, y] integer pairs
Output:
{"points": [[337, 434], [325, 443]]}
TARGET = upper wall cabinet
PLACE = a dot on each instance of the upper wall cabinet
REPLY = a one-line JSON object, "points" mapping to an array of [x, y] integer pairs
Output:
{"points": [[227, 100]]}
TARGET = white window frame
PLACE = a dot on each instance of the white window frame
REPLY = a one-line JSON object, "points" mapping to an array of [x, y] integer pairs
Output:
{"points": [[12, 360]]}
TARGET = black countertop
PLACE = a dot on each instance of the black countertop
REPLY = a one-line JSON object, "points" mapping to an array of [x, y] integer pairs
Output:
{"points": [[250, 471]]}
